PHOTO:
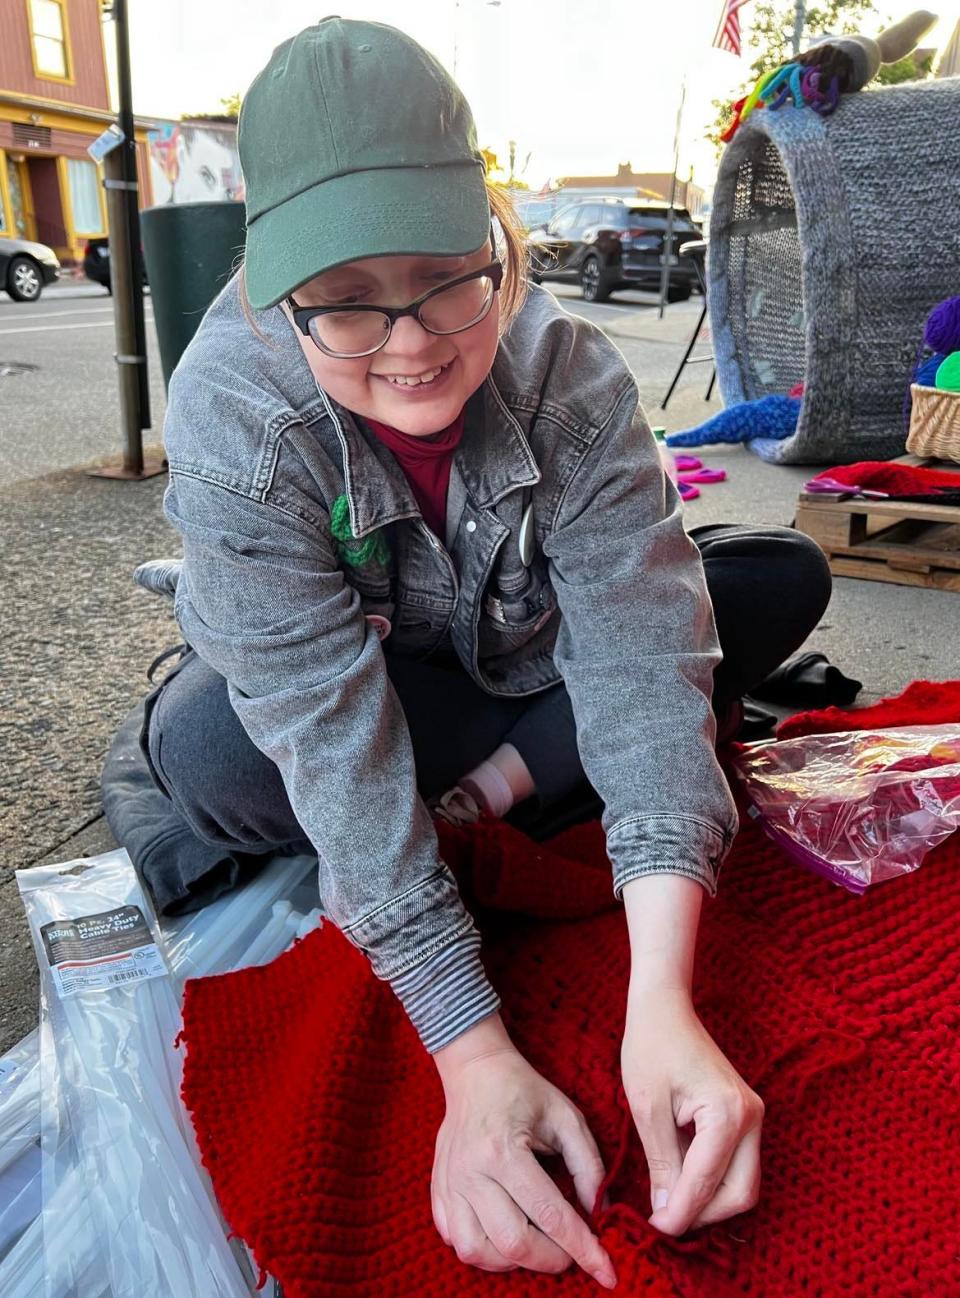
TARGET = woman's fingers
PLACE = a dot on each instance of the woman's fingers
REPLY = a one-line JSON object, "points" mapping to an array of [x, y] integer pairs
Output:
{"points": [[540, 1199], [707, 1158], [710, 1155], [439, 1213], [661, 1144], [739, 1190], [512, 1235], [491, 1198], [575, 1142], [469, 1240]]}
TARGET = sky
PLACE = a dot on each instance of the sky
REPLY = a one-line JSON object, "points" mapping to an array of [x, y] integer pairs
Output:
{"points": [[580, 85]]}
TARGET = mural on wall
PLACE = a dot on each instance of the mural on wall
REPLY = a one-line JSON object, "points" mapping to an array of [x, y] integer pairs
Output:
{"points": [[191, 163]]}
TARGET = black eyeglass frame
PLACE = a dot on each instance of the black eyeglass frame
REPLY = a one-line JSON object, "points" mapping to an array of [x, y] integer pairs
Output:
{"points": [[302, 315]]}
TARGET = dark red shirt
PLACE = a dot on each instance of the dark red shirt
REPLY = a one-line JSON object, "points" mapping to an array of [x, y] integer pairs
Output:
{"points": [[426, 463]]}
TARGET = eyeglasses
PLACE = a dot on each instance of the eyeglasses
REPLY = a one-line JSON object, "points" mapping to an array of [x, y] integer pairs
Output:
{"points": [[350, 331]]}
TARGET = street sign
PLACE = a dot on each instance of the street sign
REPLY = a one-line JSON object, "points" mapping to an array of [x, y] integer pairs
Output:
{"points": [[105, 143]]}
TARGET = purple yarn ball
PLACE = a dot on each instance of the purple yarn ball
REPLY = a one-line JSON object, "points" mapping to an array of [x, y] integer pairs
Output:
{"points": [[943, 326]]}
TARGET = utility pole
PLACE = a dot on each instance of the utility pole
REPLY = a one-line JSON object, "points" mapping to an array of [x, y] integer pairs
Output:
{"points": [[126, 274], [799, 19], [668, 236]]}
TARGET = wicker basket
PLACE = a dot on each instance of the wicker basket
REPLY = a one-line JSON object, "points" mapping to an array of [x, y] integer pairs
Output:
{"points": [[934, 424]]}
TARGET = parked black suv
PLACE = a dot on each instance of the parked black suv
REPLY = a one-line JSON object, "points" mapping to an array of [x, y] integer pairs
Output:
{"points": [[611, 243], [96, 263]]}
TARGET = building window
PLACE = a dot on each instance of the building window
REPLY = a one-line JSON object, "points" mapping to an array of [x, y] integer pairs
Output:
{"points": [[18, 208], [84, 196], [48, 30]]}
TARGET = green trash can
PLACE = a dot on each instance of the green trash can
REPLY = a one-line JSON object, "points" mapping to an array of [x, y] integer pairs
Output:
{"points": [[190, 250]]}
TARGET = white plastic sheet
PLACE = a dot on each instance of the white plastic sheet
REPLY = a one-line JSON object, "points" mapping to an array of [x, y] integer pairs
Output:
{"points": [[19, 1099]]}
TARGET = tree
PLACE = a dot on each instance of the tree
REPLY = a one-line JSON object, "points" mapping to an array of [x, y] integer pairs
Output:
{"points": [[496, 173], [770, 38], [229, 111], [910, 68]]}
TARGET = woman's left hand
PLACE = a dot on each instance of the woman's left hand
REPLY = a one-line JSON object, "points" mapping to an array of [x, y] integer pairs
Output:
{"points": [[674, 1074]]}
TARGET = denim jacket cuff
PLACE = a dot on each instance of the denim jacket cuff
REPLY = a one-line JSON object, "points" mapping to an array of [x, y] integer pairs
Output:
{"points": [[448, 994], [667, 844], [404, 931]]}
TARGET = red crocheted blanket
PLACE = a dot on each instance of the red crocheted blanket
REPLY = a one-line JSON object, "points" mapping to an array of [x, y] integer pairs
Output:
{"points": [[316, 1108]]}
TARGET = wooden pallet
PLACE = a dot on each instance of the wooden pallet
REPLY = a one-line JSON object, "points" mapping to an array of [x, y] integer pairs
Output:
{"points": [[886, 540]]}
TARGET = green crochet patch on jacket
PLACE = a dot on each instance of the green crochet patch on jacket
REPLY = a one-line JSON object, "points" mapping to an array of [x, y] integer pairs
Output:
{"points": [[356, 553]]}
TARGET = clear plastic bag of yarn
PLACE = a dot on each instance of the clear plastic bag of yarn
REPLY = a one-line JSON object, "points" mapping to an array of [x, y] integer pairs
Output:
{"points": [[860, 806], [126, 1208]]}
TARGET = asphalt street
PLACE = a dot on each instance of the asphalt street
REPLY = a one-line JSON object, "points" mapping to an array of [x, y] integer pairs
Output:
{"points": [[78, 635], [63, 408]]}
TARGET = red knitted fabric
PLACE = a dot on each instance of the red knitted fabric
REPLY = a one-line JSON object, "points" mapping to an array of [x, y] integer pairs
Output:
{"points": [[895, 479], [316, 1108], [924, 703]]}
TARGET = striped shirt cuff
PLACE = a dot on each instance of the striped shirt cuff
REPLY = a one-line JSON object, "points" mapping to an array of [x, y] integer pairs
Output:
{"points": [[448, 994]]}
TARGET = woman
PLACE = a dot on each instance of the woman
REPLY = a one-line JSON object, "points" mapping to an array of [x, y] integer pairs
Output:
{"points": [[430, 554]]}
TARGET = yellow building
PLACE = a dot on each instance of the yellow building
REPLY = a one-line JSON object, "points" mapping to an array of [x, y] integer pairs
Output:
{"points": [[54, 102]]}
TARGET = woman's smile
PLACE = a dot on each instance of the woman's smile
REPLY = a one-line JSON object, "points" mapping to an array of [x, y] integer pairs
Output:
{"points": [[425, 383]]}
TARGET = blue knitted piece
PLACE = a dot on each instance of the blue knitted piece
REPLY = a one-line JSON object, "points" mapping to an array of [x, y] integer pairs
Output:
{"points": [[926, 374], [773, 417]]}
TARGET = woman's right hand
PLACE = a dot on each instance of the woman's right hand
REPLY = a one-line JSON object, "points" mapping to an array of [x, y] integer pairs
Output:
{"points": [[492, 1201]]}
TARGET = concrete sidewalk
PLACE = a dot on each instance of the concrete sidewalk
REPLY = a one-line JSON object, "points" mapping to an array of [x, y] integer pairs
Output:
{"points": [[79, 636]]}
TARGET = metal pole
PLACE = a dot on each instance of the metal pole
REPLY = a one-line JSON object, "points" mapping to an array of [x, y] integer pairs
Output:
{"points": [[123, 318], [668, 236], [120, 182], [799, 19], [129, 153]]}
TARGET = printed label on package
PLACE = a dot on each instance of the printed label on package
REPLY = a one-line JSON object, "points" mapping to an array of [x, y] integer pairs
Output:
{"points": [[101, 951]]}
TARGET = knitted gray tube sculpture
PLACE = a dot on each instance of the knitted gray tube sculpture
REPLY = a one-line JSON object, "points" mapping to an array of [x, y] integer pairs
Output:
{"points": [[830, 241]]}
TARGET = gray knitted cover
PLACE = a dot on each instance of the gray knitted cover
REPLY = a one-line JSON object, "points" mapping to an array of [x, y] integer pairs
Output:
{"points": [[830, 241]]}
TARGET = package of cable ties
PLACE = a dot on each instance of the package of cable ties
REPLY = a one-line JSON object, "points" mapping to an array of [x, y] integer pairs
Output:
{"points": [[252, 924], [126, 1210]]}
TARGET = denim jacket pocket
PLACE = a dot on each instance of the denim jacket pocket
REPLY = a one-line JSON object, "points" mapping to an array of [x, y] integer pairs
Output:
{"points": [[509, 618]]}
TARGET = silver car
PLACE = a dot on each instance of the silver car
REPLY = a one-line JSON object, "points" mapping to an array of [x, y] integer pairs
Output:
{"points": [[25, 267]]}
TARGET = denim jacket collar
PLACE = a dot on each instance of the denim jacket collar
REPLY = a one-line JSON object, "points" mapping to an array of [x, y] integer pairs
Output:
{"points": [[491, 466]]}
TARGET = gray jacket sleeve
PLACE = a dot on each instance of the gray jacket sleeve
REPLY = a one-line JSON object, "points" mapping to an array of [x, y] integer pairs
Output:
{"points": [[262, 601], [637, 649]]}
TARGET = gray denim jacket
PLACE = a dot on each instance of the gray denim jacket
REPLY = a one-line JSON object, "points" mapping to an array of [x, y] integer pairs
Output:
{"points": [[614, 602]]}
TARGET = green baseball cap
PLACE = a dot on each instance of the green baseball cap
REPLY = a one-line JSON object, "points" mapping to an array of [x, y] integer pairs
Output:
{"points": [[355, 142]]}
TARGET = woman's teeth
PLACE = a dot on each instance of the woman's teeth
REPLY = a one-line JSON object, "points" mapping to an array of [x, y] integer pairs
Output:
{"points": [[411, 382]]}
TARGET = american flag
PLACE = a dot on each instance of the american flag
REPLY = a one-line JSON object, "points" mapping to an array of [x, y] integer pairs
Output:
{"points": [[728, 29]]}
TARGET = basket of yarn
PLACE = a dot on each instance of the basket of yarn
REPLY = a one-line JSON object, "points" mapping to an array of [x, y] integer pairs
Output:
{"points": [[935, 393]]}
